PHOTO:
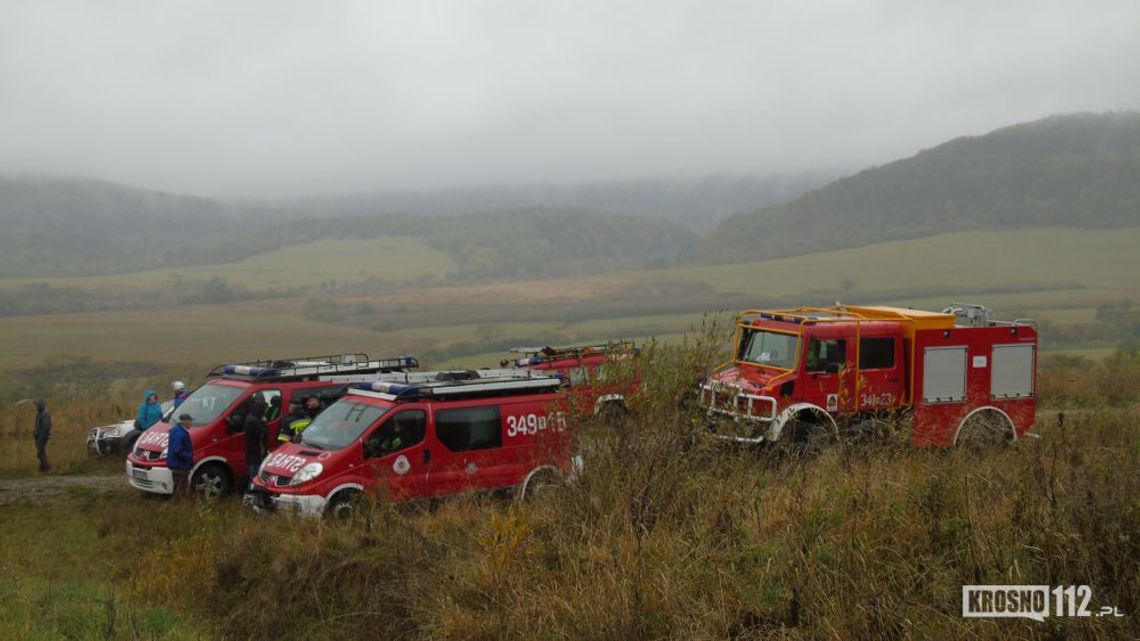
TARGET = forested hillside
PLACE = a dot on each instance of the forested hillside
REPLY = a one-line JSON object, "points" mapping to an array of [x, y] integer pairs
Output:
{"points": [[1075, 170], [64, 226], [59, 226]]}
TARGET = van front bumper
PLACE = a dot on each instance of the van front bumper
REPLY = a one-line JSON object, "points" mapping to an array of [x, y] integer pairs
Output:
{"points": [[157, 480]]}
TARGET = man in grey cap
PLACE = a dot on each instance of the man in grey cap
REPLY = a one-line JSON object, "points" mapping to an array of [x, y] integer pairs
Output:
{"points": [[42, 433], [180, 455]]}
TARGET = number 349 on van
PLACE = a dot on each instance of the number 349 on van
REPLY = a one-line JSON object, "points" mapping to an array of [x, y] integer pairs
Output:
{"points": [[525, 424]]}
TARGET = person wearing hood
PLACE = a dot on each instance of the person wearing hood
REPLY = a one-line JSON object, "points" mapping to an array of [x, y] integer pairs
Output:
{"points": [[42, 433], [150, 412], [256, 437]]}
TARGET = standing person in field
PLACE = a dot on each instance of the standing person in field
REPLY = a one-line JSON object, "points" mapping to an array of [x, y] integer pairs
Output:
{"points": [[256, 437], [42, 433], [181, 455], [150, 411], [180, 392]]}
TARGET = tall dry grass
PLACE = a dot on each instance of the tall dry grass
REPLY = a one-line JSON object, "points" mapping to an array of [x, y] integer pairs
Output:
{"points": [[669, 535]]}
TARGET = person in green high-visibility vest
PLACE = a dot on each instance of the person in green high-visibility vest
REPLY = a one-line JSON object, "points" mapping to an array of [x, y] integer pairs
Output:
{"points": [[294, 423]]}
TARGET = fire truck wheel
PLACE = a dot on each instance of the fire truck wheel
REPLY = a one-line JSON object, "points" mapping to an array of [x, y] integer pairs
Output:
{"points": [[985, 430], [612, 413], [345, 506], [805, 437], [212, 482]]}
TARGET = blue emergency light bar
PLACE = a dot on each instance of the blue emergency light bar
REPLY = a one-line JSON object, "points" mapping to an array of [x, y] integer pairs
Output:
{"points": [[310, 367], [467, 387]]}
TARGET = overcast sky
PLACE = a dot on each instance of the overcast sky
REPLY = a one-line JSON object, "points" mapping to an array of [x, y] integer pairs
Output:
{"points": [[282, 98]]}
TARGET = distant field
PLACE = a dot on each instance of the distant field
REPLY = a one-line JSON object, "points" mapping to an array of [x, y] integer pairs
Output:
{"points": [[1107, 260], [1059, 275], [343, 261]]}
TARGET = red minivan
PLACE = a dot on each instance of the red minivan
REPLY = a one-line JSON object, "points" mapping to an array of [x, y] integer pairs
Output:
{"points": [[423, 438], [218, 408]]}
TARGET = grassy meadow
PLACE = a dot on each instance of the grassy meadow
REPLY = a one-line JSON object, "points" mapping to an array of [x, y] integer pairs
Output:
{"points": [[342, 260]]}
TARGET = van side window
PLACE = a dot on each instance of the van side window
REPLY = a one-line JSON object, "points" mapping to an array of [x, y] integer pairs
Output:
{"points": [[470, 428], [399, 432], [876, 353], [272, 398], [826, 355]]}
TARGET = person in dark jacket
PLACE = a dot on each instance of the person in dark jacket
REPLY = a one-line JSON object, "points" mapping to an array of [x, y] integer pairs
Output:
{"points": [[42, 433], [256, 437], [180, 457], [313, 406], [294, 419], [150, 411]]}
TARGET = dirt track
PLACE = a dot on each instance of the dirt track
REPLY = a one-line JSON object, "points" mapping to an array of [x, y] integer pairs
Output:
{"points": [[59, 489]]}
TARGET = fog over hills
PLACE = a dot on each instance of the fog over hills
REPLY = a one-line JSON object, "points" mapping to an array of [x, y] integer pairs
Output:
{"points": [[1079, 170]]}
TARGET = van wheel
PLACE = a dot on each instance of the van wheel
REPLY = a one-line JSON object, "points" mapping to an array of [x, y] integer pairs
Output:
{"points": [[345, 506], [542, 483], [211, 482]]}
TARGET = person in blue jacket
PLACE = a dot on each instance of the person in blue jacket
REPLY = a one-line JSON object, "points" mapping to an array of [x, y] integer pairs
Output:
{"points": [[150, 412], [180, 455]]}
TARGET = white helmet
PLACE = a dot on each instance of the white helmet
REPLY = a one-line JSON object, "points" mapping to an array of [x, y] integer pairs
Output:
{"points": [[178, 386]]}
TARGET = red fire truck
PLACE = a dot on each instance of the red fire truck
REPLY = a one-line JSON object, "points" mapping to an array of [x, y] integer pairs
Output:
{"points": [[417, 436], [593, 375], [959, 375], [218, 408]]}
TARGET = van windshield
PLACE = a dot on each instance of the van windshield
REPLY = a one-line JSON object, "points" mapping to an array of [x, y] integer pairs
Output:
{"points": [[771, 349], [207, 403], [342, 423]]}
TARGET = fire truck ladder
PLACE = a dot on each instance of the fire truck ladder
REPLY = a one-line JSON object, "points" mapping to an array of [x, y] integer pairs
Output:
{"points": [[313, 367], [537, 355]]}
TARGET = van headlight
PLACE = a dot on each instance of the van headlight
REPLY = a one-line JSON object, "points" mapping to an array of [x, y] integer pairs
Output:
{"points": [[165, 451], [307, 473]]}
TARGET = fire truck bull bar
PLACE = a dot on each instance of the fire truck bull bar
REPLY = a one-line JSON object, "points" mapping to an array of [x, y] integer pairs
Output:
{"points": [[733, 398]]}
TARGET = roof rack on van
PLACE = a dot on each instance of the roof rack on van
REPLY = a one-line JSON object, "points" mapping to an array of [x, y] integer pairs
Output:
{"points": [[430, 384], [313, 367], [537, 355]]}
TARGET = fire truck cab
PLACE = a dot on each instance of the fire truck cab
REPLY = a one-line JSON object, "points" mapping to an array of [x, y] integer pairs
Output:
{"points": [[592, 375], [958, 374], [420, 436], [218, 408]]}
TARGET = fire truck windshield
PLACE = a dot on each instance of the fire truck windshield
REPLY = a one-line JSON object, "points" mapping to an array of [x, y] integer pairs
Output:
{"points": [[342, 423], [770, 349], [208, 402]]}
